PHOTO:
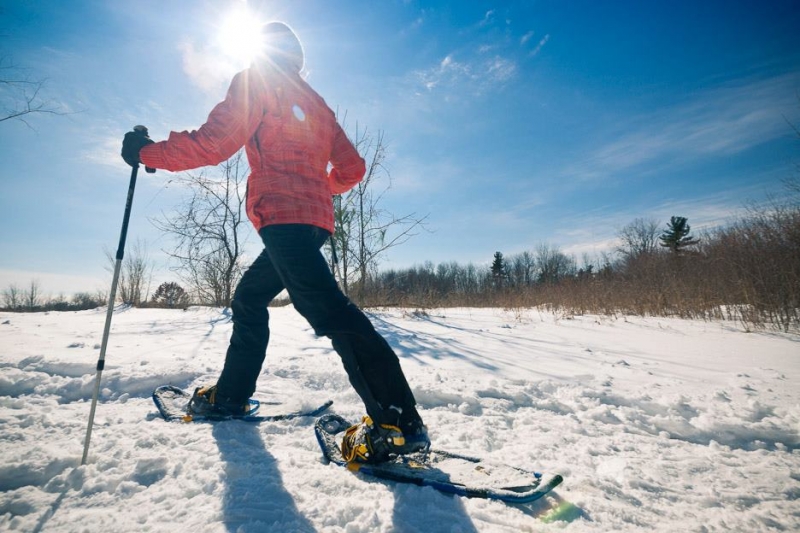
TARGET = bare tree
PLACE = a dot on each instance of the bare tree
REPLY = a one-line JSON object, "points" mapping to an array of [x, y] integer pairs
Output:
{"points": [[553, 264], [364, 230], [521, 269], [135, 275], [209, 229], [341, 242], [638, 238], [22, 95], [85, 300], [32, 296], [12, 297]]}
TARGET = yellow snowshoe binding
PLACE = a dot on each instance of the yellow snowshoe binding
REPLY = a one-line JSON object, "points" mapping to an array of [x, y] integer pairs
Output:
{"points": [[367, 442]]}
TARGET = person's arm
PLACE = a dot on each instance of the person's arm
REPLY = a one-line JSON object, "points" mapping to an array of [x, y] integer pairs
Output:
{"points": [[348, 166], [229, 126]]}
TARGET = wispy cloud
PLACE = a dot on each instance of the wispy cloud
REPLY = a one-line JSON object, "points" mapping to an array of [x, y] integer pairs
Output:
{"points": [[595, 232], [542, 42], [475, 76], [415, 24], [104, 150], [489, 55], [527, 37], [487, 18], [720, 121], [206, 69], [102, 138]]}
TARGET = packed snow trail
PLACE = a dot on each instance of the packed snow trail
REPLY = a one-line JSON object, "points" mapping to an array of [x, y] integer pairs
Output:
{"points": [[656, 424]]}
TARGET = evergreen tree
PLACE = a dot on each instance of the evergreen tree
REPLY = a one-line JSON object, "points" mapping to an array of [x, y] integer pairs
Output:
{"points": [[676, 237], [170, 294], [499, 271]]}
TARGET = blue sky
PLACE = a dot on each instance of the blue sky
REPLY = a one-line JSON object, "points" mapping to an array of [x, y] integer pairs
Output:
{"points": [[509, 124]]}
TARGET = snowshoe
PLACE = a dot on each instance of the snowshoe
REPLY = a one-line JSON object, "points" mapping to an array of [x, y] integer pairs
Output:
{"points": [[367, 442], [207, 403]]}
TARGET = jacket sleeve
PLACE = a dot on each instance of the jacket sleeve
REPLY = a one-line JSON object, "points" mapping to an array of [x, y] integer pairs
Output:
{"points": [[348, 167], [228, 127]]}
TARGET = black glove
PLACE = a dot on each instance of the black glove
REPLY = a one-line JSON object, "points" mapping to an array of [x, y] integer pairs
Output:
{"points": [[133, 142]]}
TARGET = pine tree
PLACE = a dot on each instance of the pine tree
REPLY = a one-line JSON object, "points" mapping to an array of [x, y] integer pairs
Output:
{"points": [[170, 294], [498, 269], [676, 237]]}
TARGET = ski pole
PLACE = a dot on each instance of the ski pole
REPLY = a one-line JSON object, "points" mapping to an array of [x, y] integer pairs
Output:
{"points": [[111, 298]]}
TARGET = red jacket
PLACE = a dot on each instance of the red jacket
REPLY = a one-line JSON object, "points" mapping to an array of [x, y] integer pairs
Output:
{"points": [[289, 134]]}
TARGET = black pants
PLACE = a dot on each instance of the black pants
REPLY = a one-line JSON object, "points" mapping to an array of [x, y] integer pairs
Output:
{"points": [[292, 260]]}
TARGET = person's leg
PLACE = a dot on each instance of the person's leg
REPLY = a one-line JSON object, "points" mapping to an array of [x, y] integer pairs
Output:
{"points": [[371, 364], [248, 344]]}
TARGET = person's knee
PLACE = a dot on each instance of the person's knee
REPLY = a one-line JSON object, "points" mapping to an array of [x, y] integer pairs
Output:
{"points": [[245, 310], [339, 318]]}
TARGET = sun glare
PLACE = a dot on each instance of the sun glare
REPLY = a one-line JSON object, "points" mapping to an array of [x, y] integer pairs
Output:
{"points": [[240, 36]]}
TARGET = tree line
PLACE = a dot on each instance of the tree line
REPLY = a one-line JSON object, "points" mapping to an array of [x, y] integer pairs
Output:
{"points": [[31, 298], [748, 270]]}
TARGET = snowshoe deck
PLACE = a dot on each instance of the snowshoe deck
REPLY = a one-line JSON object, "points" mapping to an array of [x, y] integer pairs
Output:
{"points": [[172, 404], [444, 471]]}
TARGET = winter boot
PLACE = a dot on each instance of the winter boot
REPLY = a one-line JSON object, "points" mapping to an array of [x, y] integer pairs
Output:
{"points": [[367, 442], [206, 402]]}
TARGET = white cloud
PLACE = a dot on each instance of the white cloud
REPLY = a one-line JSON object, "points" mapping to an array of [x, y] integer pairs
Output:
{"points": [[501, 69], [595, 232], [478, 76], [412, 175], [208, 70], [102, 141], [105, 151], [487, 58], [527, 37], [591, 248], [542, 42], [721, 121]]}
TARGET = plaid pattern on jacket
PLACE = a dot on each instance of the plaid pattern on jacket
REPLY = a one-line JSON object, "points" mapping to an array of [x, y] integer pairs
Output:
{"points": [[299, 155]]}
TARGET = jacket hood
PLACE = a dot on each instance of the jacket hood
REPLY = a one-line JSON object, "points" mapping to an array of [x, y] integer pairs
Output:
{"points": [[282, 48]]}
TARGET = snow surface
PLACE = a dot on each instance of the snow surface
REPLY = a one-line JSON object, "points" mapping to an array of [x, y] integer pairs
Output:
{"points": [[656, 424]]}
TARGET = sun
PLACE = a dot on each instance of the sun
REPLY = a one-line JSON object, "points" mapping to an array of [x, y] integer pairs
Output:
{"points": [[239, 36]]}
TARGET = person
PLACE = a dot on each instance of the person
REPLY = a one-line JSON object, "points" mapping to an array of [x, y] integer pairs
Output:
{"points": [[299, 157]]}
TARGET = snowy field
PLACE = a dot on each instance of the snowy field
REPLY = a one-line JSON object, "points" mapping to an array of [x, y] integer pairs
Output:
{"points": [[656, 424]]}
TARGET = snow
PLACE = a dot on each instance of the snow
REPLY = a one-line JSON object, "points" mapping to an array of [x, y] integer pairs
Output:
{"points": [[656, 424]]}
